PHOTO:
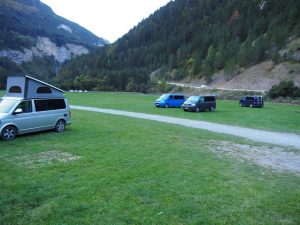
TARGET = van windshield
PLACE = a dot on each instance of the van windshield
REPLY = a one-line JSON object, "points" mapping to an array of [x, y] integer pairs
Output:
{"points": [[6, 105], [193, 98], [164, 96]]}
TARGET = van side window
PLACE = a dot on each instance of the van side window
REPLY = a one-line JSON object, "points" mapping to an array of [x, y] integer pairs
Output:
{"points": [[15, 89], [49, 104], [177, 97], [171, 97], [43, 90], [25, 106], [209, 99]]}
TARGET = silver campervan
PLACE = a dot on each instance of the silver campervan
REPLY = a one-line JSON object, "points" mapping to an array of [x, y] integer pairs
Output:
{"points": [[31, 105]]}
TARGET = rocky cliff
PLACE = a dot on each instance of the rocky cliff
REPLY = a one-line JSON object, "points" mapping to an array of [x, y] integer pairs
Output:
{"points": [[45, 47]]}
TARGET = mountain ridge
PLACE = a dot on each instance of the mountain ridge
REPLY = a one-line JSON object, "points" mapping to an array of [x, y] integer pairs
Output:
{"points": [[24, 20], [36, 41]]}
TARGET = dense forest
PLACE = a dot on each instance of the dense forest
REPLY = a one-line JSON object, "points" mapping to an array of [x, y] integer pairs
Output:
{"points": [[184, 39], [188, 38]]}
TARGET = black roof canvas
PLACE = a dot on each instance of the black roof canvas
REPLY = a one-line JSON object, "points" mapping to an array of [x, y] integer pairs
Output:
{"points": [[28, 87]]}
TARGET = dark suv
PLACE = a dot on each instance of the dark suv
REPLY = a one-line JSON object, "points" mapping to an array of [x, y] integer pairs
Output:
{"points": [[200, 103], [252, 101]]}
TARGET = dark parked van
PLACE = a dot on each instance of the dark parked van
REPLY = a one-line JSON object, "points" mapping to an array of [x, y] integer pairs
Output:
{"points": [[170, 100], [252, 101], [200, 103]]}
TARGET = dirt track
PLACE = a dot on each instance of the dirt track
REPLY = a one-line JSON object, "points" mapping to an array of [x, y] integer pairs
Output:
{"points": [[276, 138]]}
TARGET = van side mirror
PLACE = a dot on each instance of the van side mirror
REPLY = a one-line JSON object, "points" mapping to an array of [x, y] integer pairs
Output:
{"points": [[18, 111]]}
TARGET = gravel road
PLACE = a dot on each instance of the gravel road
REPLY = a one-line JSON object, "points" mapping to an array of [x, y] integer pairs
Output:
{"points": [[276, 138]]}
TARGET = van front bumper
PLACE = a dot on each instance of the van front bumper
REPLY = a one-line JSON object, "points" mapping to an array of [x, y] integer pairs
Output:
{"points": [[160, 104], [189, 108]]}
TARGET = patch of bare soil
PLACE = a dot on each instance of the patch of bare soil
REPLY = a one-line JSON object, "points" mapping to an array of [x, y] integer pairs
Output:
{"points": [[43, 159], [274, 158], [259, 77]]}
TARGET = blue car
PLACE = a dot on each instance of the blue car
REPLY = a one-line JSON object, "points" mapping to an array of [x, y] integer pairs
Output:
{"points": [[170, 100]]}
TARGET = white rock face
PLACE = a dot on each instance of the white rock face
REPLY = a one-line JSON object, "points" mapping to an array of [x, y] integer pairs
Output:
{"points": [[65, 27], [45, 47]]}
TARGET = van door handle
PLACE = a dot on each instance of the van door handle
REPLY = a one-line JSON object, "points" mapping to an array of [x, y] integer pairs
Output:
{"points": [[65, 115]]}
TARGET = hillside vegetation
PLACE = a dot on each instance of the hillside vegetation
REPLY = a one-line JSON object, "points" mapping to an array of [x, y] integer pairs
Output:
{"points": [[36, 41], [22, 21], [190, 39]]}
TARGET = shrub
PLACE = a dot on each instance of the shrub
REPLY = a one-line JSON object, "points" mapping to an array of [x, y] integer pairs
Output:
{"points": [[284, 89]]}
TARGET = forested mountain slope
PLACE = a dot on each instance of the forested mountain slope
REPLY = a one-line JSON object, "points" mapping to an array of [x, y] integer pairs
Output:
{"points": [[34, 39], [191, 39]]}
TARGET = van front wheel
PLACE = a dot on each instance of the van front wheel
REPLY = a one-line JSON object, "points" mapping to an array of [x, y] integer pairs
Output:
{"points": [[8, 133], [60, 126]]}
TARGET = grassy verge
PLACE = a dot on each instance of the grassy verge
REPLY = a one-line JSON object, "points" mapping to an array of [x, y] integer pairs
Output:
{"points": [[274, 117], [132, 171]]}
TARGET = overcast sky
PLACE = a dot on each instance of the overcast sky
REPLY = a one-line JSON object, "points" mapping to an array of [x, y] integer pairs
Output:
{"points": [[109, 19]]}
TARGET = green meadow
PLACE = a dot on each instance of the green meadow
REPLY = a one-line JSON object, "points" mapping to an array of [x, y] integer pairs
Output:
{"points": [[107, 169], [273, 116]]}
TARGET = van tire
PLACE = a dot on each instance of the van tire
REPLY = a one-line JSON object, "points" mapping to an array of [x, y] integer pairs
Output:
{"points": [[197, 109], [60, 126], [167, 105], [9, 133], [212, 109], [251, 106]]}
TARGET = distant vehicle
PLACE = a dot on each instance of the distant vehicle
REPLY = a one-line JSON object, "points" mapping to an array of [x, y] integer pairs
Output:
{"points": [[200, 103], [252, 101], [170, 100]]}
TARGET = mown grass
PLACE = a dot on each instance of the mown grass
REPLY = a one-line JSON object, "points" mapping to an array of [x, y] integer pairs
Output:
{"points": [[274, 117], [134, 171]]}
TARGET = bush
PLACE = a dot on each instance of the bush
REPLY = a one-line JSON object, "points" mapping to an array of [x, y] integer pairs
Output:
{"points": [[284, 89]]}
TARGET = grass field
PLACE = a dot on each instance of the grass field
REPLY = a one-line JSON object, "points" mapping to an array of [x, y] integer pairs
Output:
{"points": [[274, 117], [131, 171], [107, 169]]}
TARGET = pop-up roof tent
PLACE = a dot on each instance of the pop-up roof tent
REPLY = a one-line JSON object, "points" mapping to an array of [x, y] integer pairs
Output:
{"points": [[28, 87]]}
